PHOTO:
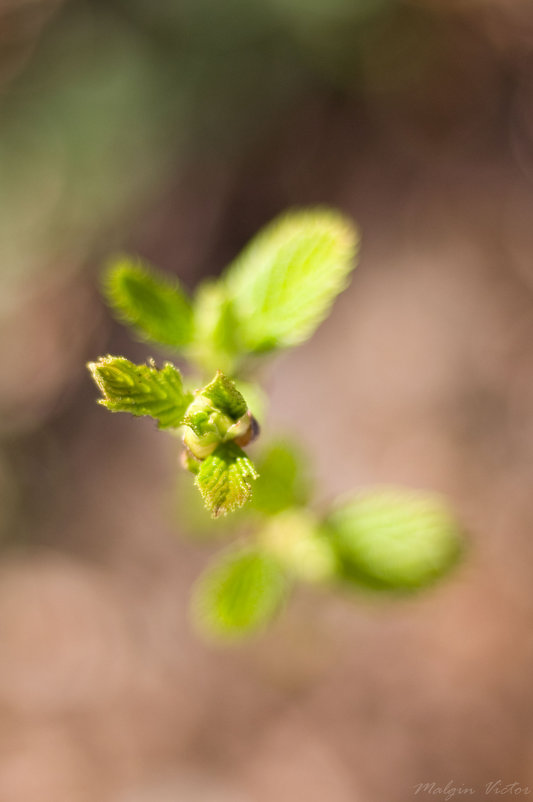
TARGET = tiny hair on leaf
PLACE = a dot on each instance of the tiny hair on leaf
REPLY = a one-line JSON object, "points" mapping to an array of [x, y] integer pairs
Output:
{"points": [[141, 389], [225, 479], [224, 395]]}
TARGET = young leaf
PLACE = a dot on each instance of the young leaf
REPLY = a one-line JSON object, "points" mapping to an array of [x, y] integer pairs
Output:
{"points": [[141, 389], [394, 539], [225, 479], [198, 421], [238, 595], [153, 305], [218, 414], [284, 282], [224, 396]]}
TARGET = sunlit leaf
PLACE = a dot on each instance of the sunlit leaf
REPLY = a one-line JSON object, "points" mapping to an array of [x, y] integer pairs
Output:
{"points": [[141, 389], [225, 479], [284, 282], [224, 395], [239, 594], [155, 306], [394, 538]]}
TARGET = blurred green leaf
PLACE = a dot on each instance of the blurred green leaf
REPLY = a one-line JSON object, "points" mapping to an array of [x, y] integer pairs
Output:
{"points": [[395, 539], [284, 282], [155, 306], [225, 479], [283, 479], [141, 389], [238, 595]]}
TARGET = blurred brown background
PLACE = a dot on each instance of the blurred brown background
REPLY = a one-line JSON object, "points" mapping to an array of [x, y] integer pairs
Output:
{"points": [[174, 130]]}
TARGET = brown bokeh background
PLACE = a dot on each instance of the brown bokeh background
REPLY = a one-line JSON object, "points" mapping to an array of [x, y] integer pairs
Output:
{"points": [[174, 130]]}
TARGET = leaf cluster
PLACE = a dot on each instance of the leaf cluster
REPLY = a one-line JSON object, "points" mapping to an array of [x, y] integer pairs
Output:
{"points": [[272, 296], [388, 540]]}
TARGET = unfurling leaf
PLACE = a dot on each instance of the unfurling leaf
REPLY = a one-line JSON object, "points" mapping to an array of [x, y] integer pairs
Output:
{"points": [[218, 414], [284, 282], [224, 395], [238, 594], [225, 479], [155, 306], [141, 389], [395, 539]]}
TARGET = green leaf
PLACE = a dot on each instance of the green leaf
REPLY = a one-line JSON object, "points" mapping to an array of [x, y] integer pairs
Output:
{"points": [[155, 306], [225, 479], [395, 539], [224, 396], [238, 595], [141, 389], [284, 282], [283, 479]]}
